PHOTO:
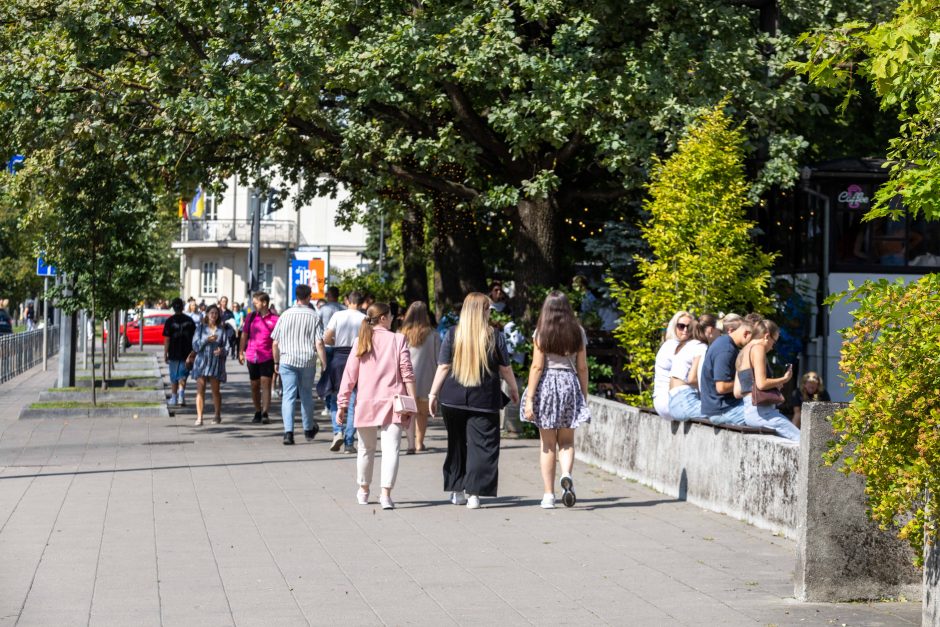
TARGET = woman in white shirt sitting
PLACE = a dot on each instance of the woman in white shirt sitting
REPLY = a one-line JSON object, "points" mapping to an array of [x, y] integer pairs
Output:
{"points": [[684, 399], [676, 332]]}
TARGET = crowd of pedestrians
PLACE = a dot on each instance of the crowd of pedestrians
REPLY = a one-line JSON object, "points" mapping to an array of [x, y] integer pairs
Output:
{"points": [[384, 375], [719, 371]]}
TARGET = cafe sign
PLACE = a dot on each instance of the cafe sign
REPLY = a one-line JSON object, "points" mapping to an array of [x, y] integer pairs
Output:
{"points": [[854, 197]]}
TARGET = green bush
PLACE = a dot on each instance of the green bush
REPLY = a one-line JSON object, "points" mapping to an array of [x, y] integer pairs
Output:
{"points": [[382, 289], [703, 257], [890, 432]]}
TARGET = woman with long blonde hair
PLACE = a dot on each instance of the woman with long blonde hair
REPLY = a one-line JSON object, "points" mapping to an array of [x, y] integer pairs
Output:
{"points": [[378, 369], [466, 386], [423, 344]]}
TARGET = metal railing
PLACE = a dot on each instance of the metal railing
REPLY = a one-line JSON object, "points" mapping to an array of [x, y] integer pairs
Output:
{"points": [[273, 231], [21, 351]]}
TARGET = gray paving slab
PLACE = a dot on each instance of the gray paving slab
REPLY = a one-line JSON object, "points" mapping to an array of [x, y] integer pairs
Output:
{"points": [[155, 522]]}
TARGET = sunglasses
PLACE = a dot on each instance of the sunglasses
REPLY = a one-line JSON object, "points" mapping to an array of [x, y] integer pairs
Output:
{"points": [[681, 326]]}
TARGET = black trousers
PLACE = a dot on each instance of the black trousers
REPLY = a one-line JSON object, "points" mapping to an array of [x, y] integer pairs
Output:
{"points": [[472, 461]]}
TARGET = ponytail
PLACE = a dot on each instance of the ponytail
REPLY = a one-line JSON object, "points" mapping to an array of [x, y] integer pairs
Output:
{"points": [[373, 315]]}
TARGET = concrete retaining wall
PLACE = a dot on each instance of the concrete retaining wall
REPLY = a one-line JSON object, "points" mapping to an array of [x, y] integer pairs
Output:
{"points": [[749, 477], [841, 554]]}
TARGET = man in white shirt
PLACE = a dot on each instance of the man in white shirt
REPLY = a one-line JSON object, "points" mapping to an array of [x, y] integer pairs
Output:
{"points": [[296, 348], [341, 333]]}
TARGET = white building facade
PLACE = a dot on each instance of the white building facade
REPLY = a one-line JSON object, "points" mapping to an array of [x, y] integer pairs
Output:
{"points": [[214, 250]]}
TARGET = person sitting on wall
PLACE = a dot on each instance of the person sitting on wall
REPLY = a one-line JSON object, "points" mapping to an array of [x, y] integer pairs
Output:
{"points": [[717, 383], [677, 331], [685, 402]]}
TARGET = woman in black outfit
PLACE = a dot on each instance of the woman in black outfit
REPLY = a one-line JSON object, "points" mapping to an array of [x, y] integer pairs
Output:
{"points": [[466, 386]]}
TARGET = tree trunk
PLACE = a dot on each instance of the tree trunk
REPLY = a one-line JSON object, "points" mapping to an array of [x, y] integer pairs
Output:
{"points": [[458, 261], [414, 259], [536, 254]]}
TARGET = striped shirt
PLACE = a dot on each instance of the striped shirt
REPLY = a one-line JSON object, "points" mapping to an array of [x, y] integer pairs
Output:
{"points": [[296, 334]]}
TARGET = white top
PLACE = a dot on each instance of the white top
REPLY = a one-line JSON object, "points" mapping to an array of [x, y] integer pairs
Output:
{"points": [[345, 325], [682, 361], [661, 375]]}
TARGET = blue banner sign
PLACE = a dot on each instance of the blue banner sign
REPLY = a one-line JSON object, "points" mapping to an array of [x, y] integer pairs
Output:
{"points": [[43, 269]]}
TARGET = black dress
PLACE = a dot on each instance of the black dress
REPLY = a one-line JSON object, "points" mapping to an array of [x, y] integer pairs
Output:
{"points": [[471, 416]]}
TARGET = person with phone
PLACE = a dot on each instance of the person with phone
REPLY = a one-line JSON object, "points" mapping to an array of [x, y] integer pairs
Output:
{"points": [[760, 392], [211, 345], [379, 369]]}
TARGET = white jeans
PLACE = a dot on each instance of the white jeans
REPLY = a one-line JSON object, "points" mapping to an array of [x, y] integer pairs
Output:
{"points": [[391, 439]]}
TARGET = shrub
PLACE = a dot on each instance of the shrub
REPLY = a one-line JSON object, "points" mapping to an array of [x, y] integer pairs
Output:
{"points": [[890, 432], [703, 257]]}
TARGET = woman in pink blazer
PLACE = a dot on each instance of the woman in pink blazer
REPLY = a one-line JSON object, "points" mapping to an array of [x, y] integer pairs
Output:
{"points": [[380, 367]]}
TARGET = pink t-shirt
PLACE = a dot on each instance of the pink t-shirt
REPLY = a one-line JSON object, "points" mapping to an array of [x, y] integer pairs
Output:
{"points": [[258, 347]]}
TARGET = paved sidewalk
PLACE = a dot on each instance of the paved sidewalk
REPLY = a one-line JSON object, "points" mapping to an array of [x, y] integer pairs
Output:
{"points": [[155, 522]]}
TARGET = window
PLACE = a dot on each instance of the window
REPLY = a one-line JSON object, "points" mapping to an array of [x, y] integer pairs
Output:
{"points": [[212, 208], [266, 276], [210, 278]]}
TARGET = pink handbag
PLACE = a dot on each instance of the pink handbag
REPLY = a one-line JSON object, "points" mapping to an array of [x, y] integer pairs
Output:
{"points": [[405, 404]]}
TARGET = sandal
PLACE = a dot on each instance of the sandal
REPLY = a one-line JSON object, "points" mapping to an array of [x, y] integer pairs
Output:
{"points": [[410, 451], [198, 422], [217, 421]]}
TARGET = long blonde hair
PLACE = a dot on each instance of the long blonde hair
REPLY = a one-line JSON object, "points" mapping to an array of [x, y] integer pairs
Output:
{"points": [[473, 341], [373, 315]]}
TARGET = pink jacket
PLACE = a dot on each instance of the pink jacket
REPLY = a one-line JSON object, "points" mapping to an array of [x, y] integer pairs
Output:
{"points": [[377, 377]]}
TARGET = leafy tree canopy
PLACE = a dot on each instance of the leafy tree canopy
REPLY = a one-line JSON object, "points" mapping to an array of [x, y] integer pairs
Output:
{"points": [[529, 110], [900, 58]]}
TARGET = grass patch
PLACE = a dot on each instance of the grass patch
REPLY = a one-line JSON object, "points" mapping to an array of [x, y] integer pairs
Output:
{"points": [[88, 405]]}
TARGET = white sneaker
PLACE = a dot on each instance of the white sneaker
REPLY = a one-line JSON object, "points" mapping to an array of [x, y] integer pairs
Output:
{"points": [[548, 501], [458, 498], [182, 399], [171, 402], [473, 502]]}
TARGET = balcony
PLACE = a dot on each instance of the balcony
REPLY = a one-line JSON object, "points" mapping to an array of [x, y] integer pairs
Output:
{"points": [[235, 234]]}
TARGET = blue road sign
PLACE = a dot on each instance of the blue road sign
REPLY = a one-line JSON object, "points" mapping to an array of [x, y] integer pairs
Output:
{"points": [[13, 162], [43, 269]]}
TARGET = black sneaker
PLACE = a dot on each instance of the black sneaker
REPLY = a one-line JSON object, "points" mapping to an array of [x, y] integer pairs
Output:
{"points": [[309, 435], [288, 437], [264, 419], [257, 418], [568, 498]]}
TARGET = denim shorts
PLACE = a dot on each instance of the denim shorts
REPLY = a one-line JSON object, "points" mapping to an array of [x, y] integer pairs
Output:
{"points": [[685, 404], [178, 370]]}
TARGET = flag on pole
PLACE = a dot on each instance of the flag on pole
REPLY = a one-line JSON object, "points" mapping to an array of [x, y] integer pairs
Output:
{"points": [[197, 208], [183, 214]]}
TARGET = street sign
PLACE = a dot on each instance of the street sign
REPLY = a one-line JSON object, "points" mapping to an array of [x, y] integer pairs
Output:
{"points": [[15, 161], [43, 269], [310, 272]]}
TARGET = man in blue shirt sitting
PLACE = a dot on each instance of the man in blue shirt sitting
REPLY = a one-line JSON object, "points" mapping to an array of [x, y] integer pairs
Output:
{"points": [[717, 385]]}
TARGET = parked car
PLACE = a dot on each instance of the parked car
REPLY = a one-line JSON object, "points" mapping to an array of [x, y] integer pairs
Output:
{"points": [[6, 323], [153, 328]]}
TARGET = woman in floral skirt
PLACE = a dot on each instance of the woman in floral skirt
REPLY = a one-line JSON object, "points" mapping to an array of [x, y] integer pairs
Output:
{"points": [[555, 399]]}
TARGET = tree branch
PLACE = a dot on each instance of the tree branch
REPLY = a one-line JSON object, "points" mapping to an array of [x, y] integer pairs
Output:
{"points": [[189, 35], [436, 183], [479, 131]]}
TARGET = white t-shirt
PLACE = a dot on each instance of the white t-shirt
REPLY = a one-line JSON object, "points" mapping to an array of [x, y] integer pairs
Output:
{"points": [[661, 374], [682, 361], [345, 325]]}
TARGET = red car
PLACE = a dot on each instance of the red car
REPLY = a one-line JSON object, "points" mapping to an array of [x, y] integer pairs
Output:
{"points": [[153, 328]]}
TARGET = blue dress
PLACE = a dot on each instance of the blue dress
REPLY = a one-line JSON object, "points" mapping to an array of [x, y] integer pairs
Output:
{"points": [[208, 364]]}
